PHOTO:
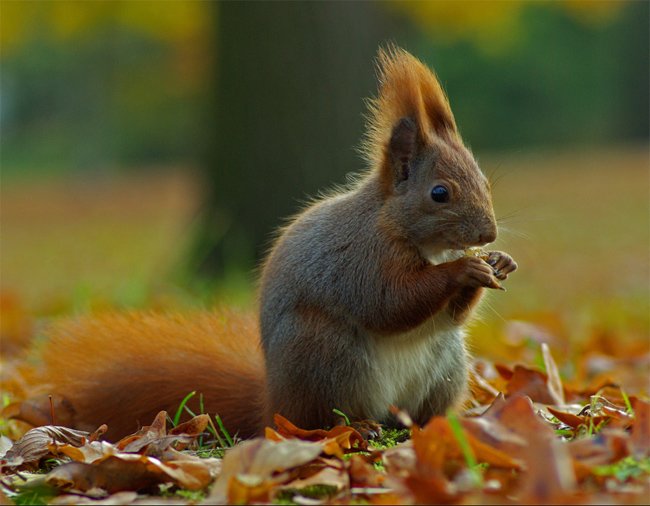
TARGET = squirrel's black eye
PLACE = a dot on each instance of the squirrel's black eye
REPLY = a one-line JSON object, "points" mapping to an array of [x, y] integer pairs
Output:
{"points": [[440, 194]]}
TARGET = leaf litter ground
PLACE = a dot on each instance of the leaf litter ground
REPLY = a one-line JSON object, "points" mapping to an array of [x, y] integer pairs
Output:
{"points": [[525, 436]]}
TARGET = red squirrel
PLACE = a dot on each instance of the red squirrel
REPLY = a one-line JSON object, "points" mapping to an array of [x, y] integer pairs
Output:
{"points": [[363, 298]]}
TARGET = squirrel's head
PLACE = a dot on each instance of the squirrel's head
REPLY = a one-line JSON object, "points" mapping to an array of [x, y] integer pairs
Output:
{"points": [[434, 191]]}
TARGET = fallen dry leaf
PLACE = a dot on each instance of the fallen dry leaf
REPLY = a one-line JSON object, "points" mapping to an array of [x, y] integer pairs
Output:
{"points": [[640, 441], [494, 434], [101, 466], [349, 436], [573, 421], [517, 415], [336, 441], [146, 434], [193, 427], [87, 453], [124, 472], [482, 390], [288, 430], [253, 467], [549, 476], [112, 475], [34, 445], [437, 440], [532, 383], [155, 438]]}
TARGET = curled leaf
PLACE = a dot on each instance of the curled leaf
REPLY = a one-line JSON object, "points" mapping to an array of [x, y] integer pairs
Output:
{"points": [[337, 440], [123, 472], [34, 445], [193, 427]]}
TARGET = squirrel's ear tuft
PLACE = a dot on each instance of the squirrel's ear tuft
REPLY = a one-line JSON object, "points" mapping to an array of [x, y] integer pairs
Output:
{"points": [[407, 89], [402, 148]]}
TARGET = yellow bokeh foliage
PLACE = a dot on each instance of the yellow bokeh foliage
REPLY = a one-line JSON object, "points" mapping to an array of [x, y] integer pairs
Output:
{"points": [[494, 24], [491, 24], [174, 22]]}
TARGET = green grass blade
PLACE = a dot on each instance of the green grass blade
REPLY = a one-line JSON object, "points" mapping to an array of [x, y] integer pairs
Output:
{"points": [[189, 411], [225, 433], [181, 406], [628, 404], [340, 413], [459, 434]]}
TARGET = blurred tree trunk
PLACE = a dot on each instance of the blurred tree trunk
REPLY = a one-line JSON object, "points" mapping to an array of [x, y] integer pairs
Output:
{"points": [[286, 117]]}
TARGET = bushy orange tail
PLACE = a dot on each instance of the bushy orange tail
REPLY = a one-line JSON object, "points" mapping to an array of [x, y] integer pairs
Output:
{"points": [[121, 369]]}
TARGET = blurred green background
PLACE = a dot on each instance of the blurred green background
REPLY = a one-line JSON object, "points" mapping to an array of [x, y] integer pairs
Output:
{"points": [[149, 149]]}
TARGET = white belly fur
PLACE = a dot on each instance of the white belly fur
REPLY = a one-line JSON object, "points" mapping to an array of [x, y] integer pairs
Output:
{"points": [[409, 366]]}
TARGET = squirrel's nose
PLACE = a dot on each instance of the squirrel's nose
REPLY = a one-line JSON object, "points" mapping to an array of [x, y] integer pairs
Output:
{"points": [[487, 236]]}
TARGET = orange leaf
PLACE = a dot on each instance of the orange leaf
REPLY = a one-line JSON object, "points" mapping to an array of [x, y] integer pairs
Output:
{"points": [[272, 435], [287, 429], [518, 415], [485, 453], [88, 453], [641, 429], [193, 427], [348, 438], [549, 473], [338, 439], [363, 474], [505, 371], [549, 476], [146, 434], [431, 490], [573, 421], [532, 383], [436, 445]]}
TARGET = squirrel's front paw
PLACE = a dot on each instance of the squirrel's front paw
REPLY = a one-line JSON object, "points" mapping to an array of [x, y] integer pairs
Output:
{"points": [[369, 429], [502, 263], [475, 272]]}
